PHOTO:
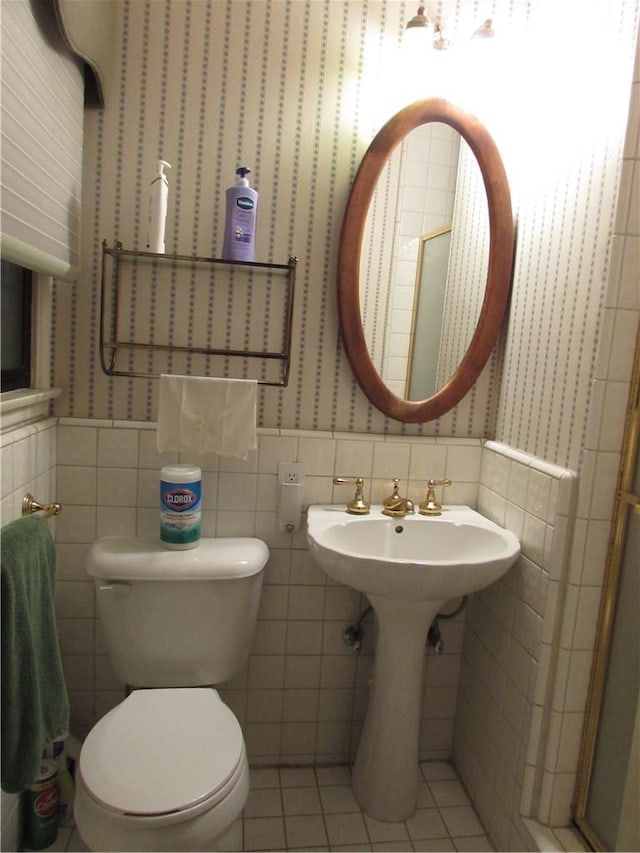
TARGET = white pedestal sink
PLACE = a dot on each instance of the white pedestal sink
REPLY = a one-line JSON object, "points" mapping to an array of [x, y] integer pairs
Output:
{"points": [[408, 567]]}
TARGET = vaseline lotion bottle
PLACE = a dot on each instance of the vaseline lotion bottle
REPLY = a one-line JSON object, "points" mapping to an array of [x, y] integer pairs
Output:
{"points": [[240, 223]]}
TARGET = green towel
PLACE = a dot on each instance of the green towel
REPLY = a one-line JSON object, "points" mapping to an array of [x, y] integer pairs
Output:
{"points": [[35, 705]]}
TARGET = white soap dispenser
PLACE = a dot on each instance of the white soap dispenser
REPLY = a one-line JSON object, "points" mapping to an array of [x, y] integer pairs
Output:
{"points": [[158, 209]]}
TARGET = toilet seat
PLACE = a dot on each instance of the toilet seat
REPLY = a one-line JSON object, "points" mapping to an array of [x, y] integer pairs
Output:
{"points": [[162, 752]]}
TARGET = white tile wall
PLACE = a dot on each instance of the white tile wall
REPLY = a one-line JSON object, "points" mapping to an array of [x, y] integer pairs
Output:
{"points": [[505, 725], [28, 464], [302, 696]]}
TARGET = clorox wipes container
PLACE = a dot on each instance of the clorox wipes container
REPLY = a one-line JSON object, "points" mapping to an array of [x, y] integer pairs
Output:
{"points": [[180, 498]]}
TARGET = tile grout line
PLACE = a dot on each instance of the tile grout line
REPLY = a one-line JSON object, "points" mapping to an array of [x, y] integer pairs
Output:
{"points": [[409, 841], [415, 843]]}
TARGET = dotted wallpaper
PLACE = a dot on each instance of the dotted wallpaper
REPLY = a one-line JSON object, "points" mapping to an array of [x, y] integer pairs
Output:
{"points": [[293, 88]]}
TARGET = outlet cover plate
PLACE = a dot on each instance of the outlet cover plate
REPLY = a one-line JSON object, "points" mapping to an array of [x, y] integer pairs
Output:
{"points": [[290, 472]]}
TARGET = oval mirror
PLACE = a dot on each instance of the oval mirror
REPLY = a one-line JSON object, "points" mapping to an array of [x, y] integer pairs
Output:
{"points": [[392, 251]]}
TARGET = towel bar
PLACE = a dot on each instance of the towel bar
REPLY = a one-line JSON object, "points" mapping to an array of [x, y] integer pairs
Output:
{"points": [[31, 505]]}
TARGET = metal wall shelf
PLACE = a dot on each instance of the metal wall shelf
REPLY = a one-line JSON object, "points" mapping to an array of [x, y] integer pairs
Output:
{"points": [[235, 311]]}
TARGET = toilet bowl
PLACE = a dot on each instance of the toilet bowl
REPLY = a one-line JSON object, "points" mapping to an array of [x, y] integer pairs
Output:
{"points": [[167, 768], [164, 770]]}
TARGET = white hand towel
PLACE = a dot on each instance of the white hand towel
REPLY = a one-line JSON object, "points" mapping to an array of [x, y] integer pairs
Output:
{"points": [[207, 415]]}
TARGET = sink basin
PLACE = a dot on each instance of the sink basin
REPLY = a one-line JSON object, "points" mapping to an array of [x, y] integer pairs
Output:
{"points": [[412, 558], [408, 567]]}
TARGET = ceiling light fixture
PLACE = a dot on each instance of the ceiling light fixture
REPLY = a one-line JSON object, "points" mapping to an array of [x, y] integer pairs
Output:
{"points": [[419, 20], [419, 28], [485, 31]]}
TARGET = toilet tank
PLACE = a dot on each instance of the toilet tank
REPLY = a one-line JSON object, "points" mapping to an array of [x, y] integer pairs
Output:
{"points": [[177, 618]]}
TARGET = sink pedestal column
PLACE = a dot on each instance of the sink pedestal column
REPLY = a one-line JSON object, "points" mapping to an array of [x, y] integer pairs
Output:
{"points": [[385, 776]]}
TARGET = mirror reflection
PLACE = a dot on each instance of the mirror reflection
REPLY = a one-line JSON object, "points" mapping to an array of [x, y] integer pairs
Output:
{"points": [[428, 311], [421, 293]]}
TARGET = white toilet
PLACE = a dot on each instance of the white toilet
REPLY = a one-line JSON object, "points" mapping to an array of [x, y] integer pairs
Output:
{"points": [[167, 768]]}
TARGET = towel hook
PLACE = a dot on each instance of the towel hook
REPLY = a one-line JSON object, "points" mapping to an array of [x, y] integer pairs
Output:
{"points": [[31, 505]]}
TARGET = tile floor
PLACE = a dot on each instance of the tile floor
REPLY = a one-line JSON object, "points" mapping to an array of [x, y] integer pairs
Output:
{"points": [[306, 808]]}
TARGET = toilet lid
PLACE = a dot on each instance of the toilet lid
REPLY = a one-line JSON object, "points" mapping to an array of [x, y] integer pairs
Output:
{"points": [[161, 750]]}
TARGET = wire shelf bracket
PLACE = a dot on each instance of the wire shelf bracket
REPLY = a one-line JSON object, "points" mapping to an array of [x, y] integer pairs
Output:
{"points": [[117, 344]]}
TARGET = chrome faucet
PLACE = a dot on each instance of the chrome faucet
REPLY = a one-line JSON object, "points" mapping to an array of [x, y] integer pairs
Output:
{"points": [[430, 506], [397, 506]]}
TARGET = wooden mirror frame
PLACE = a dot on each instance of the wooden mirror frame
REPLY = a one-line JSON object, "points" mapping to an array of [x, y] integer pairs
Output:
{"points": [[501, 250]]}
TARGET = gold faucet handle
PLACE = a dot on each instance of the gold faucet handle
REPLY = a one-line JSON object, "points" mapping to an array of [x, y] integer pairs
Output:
{"points": [[430, 506], [357, 506]]}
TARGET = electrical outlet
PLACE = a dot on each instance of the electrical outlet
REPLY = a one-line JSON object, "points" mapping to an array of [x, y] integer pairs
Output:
{"points": [[290, 473]]}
